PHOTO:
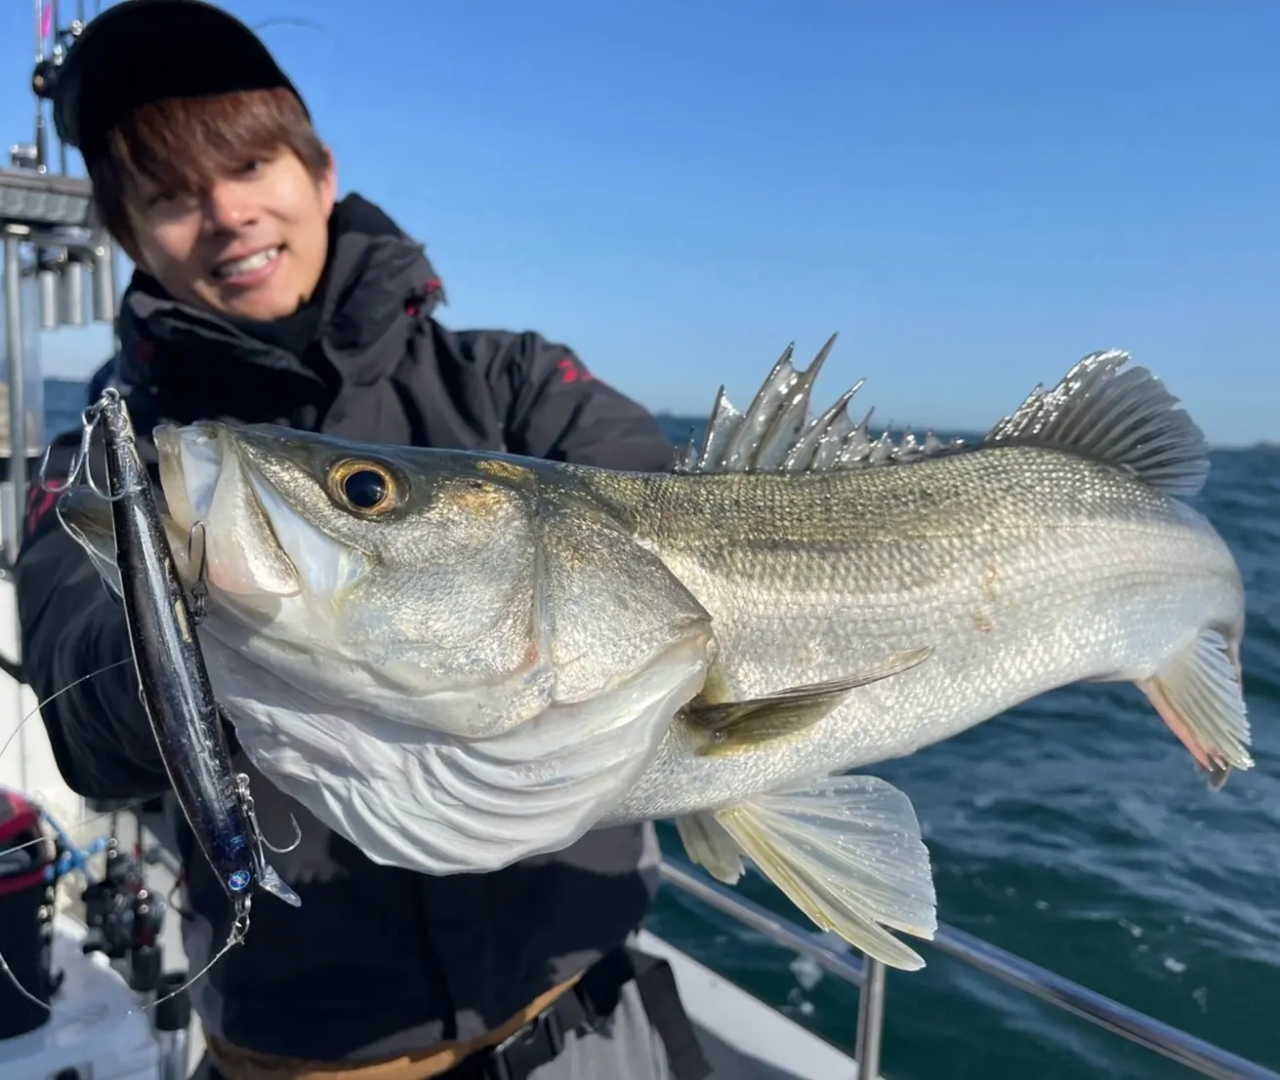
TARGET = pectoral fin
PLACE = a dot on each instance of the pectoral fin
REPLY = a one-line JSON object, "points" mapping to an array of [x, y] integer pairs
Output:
{"points": [[725, 727], [846, 851]]}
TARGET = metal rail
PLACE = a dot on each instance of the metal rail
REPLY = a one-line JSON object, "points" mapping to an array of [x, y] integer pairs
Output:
{"points": [[1196, 1054], [16, 375]]}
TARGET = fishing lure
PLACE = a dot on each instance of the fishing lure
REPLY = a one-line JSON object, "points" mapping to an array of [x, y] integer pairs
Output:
{"points": [[173, 681]]}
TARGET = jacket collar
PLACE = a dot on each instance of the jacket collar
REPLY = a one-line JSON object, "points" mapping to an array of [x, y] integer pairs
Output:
{"points": [[377, 288]]}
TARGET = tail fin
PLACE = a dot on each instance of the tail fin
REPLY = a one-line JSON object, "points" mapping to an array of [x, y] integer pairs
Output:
{"points": [[1198, 694], [846, 851]]}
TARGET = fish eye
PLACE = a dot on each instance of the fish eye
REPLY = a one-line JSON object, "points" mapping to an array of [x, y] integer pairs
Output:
{"points": [[364, 487]]}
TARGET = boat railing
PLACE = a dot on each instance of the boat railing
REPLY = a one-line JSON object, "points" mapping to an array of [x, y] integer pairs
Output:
{"points": [[869, 976]]}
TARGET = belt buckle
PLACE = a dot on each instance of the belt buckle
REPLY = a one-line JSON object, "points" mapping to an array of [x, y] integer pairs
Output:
{"points": [[506, 1054]]}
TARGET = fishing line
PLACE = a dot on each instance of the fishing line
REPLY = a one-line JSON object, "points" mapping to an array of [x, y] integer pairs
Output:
{"points": [[4, 966], [54, 696], [293, 20], [240, 922], [311, 68], [239, 930]]}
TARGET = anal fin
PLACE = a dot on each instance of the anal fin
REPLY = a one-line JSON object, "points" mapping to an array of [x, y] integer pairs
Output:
{"points": [[846, 851], [725, 727], [1198, 694], [709, 844]]}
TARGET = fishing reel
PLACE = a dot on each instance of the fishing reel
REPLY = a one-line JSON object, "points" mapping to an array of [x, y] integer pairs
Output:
{"points": [[125, 917], [44, 78], [109, 905]]}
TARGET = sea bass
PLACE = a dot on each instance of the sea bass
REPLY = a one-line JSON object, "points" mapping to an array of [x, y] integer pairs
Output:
{"points": [[458, 660]]}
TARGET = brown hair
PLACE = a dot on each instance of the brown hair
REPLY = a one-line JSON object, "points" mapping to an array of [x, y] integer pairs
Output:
{"points": [[181, 145]]}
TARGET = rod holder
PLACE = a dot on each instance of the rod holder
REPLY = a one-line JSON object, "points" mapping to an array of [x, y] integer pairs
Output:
{"points": [[104, 284], [73, 292], [47, 276]]}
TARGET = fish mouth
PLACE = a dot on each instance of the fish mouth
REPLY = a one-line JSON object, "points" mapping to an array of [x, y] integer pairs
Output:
{"points": [[255, 545]]}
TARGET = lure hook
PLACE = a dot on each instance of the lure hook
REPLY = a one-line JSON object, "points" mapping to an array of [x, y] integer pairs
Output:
{"points": [[81, 471], [200, 589], [297, 839], [258, 840]]}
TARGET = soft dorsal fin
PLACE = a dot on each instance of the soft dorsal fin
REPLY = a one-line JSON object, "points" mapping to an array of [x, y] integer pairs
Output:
{"points": [[1125, 418]]}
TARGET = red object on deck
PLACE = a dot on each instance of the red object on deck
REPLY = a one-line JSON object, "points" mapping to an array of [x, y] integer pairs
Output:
{"points": [[20, 824]]}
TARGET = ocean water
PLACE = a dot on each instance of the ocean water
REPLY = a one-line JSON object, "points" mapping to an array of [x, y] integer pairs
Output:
{"points": [[1072, 831]]}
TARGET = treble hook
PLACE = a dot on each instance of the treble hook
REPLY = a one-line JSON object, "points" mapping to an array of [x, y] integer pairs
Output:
{"points": [[81, 471], [43, 476], [246, 801], [88, 421]]}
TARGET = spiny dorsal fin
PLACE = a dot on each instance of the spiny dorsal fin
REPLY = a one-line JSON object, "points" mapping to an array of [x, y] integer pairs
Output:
{"points": [[777, 434], [1125, 418]]}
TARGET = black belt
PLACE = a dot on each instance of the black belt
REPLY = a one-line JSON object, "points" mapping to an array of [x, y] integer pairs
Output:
{"points": [[585, 1008]]}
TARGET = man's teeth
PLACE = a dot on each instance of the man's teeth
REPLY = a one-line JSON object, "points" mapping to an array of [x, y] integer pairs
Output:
{"points": [[248, 264]]}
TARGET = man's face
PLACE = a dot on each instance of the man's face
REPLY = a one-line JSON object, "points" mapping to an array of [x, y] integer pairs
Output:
{"points": [[252, 246]]}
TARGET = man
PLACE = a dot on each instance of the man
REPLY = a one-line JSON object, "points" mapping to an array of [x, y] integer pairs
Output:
{"points": [[261, 297]]}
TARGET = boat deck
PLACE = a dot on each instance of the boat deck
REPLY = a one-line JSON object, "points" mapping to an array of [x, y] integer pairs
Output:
{"points": [[766, 1044]]}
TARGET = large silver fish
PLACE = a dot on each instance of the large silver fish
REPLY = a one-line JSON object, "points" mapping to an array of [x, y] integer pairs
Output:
{"points": [[459, 660]]}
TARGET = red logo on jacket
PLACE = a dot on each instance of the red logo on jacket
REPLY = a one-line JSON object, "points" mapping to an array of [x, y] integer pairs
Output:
{"points": [[571, 370], [40, 501]]}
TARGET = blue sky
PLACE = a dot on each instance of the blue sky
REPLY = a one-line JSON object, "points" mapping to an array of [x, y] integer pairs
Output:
{"points": [[974, 194]]}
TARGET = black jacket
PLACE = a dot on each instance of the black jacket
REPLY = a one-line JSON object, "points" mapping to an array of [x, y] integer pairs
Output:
{"points": [[376, 958]]}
